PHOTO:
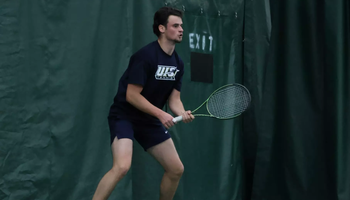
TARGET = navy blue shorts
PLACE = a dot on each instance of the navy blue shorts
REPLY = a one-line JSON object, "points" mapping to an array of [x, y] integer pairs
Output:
{"points": [[146, 134]]}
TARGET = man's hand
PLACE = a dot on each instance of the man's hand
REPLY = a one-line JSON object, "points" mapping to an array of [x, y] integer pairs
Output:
{"points": [[187, 116], [166, 119]]}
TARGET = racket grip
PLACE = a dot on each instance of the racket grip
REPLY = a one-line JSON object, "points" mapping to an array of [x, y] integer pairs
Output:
{"points": [[177, 119]]}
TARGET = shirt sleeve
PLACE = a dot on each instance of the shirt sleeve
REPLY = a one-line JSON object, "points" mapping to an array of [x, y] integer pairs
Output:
{"points": [[179, 79], [137, 73]]}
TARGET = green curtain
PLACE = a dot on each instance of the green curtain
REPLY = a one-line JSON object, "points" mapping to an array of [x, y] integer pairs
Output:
{"points": [[300, 82], [60, 62], [60, 65]]}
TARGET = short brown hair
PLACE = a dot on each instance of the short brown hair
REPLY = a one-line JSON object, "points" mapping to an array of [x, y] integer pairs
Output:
{"points": [[161, 17]]}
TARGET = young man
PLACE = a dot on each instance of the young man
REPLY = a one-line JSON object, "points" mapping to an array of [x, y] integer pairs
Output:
{"points": [[153, 77]]}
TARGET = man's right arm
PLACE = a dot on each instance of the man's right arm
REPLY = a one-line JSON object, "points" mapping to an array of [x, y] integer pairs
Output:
{"points": [[134, 97]]}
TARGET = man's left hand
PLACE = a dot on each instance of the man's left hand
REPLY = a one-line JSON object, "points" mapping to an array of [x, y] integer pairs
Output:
{"points": [[187, 116]]}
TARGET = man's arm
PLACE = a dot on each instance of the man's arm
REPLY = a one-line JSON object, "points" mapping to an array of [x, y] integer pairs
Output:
{"points": [[134, 97], [177, 107]]}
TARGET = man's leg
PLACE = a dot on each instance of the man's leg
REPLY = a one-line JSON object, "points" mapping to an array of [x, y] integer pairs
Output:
{"points": [[122, 154], [166, 154]]}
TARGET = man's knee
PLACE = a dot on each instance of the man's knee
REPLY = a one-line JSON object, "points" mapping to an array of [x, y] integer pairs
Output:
{"points": [[176, 172], [120, 170]]}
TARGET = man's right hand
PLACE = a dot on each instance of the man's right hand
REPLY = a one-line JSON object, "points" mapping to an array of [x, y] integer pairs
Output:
{"points": [[166, 119]]}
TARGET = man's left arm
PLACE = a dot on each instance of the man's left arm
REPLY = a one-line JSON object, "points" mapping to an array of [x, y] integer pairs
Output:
{"points": [[177, 107]]}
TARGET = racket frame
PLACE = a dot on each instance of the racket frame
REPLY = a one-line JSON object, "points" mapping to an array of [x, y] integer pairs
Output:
{"points": [[179, 118]]}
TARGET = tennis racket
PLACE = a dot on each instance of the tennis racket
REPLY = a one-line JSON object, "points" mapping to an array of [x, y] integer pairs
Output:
{"points": [[227, 102]]}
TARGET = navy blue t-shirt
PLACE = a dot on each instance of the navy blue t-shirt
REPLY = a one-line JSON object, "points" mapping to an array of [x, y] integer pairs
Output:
{"points": [[158, 73]]}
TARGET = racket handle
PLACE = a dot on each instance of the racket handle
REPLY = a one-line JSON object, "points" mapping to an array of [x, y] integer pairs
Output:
{"points": [[177, 119]]}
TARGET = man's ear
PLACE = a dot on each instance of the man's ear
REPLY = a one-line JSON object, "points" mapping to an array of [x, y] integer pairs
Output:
{"points": [[161, 28]]}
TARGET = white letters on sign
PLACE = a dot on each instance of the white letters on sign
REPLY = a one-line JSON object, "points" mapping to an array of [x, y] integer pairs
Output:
{"points": [[202, 42]]}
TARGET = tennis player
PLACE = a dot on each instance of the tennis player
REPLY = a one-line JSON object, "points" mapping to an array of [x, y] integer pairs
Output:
{"points": [[153, 77]]}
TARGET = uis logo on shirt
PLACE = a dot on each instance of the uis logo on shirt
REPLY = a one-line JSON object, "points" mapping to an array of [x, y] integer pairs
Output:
{"points": [[166, 72]]}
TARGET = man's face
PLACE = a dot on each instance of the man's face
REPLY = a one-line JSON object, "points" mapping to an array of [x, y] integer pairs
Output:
{"points": [[174, 31]]}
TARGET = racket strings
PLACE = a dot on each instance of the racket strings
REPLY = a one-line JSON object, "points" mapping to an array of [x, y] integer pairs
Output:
{"points": [[229, 102]]}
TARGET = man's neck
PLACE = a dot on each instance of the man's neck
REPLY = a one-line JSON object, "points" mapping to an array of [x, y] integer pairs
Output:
{"points": [[167, 46]]}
